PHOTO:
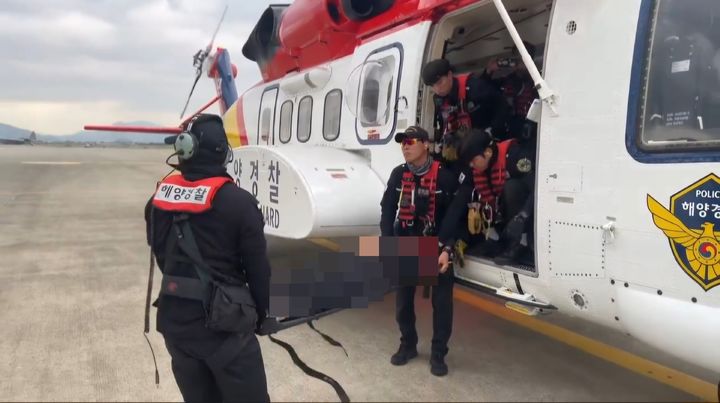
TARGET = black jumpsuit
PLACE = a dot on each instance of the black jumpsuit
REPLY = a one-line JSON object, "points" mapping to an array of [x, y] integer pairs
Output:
{"points": [[485, 105], [215, 366], [442, 301]]}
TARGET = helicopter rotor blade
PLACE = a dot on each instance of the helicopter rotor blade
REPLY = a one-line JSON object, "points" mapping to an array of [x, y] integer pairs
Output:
{"points": [[217, 29], [187, 102], [199, 60], [202, 55]]}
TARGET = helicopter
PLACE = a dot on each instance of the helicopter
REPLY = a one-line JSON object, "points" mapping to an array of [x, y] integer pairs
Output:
{"points": [[627, 192]]}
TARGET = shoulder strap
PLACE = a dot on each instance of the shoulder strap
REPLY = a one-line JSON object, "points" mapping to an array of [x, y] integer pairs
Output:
{"points": [[434, 169], [433, 186], [430, 180], [186, 242], [462, 87]]}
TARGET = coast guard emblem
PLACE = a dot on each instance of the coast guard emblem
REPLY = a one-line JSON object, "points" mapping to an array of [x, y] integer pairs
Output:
{"points": [[524, 165], [691, 226]]}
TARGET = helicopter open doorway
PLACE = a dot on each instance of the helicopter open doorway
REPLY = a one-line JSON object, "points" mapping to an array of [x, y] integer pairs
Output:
{"points": [[469, 39]]}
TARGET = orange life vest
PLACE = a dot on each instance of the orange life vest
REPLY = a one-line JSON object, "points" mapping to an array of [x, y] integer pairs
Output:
{"points": [[175, 193], [486, 191], [455, 116]]}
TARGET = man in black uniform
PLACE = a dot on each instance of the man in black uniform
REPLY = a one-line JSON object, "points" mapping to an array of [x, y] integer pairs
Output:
{"points": [[414, 204], [486, 198], [519, 198], [462, 101], [519, 91], [207, 236]]}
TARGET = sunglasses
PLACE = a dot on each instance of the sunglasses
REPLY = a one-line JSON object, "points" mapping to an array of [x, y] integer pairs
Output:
{"points": [[410, 141]]}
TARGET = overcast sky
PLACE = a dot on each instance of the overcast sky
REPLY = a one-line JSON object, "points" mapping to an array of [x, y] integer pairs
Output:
{"points": [[66, 63]]}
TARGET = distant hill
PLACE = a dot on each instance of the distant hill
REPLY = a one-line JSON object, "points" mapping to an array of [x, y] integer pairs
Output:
{"points": [[8, 132], [13, 133]]}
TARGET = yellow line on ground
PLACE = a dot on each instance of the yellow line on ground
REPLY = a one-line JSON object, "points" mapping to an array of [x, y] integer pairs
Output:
{"points": [[325, 243], [679, 380], [642, 366]]}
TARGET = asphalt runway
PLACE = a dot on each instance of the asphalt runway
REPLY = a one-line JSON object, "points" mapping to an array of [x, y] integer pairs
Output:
{"points": [[72, 286]]}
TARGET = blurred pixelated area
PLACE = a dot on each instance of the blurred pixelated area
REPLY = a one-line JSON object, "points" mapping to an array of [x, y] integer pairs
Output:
{"points": [[362, 271]]}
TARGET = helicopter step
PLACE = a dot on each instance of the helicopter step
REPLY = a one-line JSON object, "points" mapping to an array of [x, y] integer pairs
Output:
{"points": [[524, 303]]}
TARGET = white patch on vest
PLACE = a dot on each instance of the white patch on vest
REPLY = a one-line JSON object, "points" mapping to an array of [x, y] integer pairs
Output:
{"points": [[182, 194], [461, 178], [680, 66]]}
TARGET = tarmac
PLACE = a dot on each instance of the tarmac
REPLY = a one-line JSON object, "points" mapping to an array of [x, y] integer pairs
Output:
{"points": [[73, 279]]}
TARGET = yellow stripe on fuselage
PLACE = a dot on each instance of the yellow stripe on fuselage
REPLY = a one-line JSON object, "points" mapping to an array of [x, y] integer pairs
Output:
{"points": [[232, 129]]}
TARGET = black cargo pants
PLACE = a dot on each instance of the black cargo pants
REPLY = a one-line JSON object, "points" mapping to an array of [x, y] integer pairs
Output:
{"points": [[231, 370], [442, 303]]}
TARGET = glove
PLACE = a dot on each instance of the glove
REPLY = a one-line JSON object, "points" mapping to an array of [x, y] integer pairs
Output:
{"points": [[266, 326], [515, 228], [460, 246]]}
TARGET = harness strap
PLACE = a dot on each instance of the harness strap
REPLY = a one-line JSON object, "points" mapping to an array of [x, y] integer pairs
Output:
{"points": [[186, 242], [452, 121], [327, 338], [462, 89], [151, 275], [429, 181], [406, 215], [311, 372]]}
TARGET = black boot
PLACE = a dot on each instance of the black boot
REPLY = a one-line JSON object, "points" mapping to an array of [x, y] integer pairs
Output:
{"points": [[404, 354], [437, 365]]}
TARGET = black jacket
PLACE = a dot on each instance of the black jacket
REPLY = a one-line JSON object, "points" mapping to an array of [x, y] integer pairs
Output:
{"points": [[232, 234], [449, 231], [446, 186], [515, 167], [484, 100]]}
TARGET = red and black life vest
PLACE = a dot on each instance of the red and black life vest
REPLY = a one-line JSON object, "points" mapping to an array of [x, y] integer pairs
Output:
{"points": [[177, 194], [428, 184], [489, 191], [455, 116]]}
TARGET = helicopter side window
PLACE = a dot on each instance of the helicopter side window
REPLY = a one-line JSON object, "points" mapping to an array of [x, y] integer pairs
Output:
{"points": [[680, 109], [265, 125], [304, 119], [377, 91], [286, 111], [331, 115]]}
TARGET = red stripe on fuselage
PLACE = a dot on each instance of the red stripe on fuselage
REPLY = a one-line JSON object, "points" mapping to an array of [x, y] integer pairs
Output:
{"points": [[331, 44]]}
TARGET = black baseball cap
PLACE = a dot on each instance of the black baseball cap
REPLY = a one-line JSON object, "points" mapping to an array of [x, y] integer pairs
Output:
{"points": [[412, 132], [475, 144], [435, 69]]}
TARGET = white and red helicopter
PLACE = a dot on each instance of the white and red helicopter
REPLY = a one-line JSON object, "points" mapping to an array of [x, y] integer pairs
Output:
{"points": [[627, 197]]}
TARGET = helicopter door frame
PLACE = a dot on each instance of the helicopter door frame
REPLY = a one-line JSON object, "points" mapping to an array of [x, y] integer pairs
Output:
{"points": [[268, 101]]}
